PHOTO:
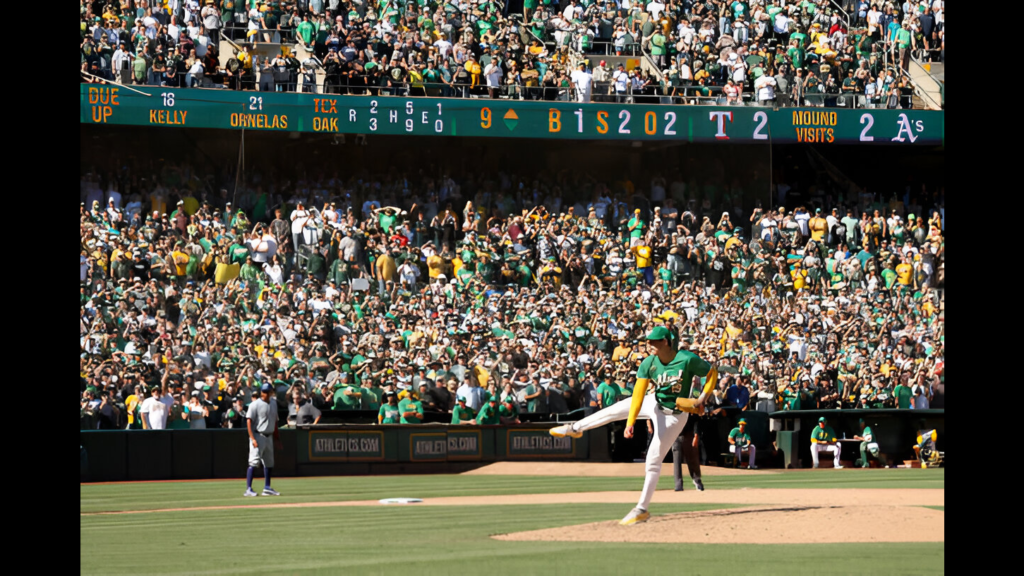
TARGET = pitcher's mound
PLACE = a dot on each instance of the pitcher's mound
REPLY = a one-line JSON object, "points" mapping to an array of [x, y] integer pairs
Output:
{"points": [[762, 525]]}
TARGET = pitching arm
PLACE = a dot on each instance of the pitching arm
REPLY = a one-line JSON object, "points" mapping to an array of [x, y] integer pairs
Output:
{"points": [[696, 406]]}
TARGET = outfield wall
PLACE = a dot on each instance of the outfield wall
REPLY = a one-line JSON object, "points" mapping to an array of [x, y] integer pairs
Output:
{"points": [[117, 455]]}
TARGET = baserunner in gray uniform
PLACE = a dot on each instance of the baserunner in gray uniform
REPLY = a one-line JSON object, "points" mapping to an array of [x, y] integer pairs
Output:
{"points": [[261, 420]]}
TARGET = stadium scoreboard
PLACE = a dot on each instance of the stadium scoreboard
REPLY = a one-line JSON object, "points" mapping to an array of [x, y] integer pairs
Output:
{"points": [[478, 117]]}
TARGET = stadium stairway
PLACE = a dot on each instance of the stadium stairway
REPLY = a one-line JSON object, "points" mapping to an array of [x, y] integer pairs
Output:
{"points": [[928, 78]]}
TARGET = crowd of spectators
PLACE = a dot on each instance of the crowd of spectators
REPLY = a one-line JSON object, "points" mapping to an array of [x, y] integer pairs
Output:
{"points": [[777, 51], [532, 289], [770, 52]]}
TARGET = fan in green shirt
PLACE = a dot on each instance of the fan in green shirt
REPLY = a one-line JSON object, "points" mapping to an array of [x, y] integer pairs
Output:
{"points": [[238, 252], [635, 225], [463, 414], [889, 275], [903, 397], [903, 38], [801, 39], [534, 395], [305, 30], [371, 396], [657, 43], [346, 396], [608, 393]]}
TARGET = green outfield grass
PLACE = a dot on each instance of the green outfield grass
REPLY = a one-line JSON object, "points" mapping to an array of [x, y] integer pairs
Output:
{"points": [[444, 540], [158, 495]]}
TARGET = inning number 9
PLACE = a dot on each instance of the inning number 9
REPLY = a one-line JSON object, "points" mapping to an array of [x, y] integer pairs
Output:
{"points": [[485, 118]]}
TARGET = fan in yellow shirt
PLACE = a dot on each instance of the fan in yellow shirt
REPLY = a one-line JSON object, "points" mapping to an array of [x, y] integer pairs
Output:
{"points": [[799, 277], [435, 266], [904, 273], [180, 259], [643, 262]]}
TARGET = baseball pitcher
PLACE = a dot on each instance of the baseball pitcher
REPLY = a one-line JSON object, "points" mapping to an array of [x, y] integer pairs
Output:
{"points": [[669, 374]]}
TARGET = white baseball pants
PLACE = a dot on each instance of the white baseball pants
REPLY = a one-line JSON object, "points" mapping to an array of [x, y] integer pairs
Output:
{"points": [[816, 448], [667, 427]]}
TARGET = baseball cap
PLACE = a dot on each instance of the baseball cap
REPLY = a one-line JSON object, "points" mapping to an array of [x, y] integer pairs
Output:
{"points": [[659, 333], [266, 388], [822, 419], [743, 421], [462, 398]]}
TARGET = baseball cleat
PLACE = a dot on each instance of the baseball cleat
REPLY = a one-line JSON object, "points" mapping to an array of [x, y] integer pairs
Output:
{"points": [[752, 467], [268, 491], [838, 467], [635, 516], [679, 487], [249, 492], [698, 484], [565, 430]]}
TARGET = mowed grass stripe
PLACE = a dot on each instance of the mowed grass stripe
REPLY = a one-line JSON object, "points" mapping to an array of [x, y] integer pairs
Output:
{"points": [[143, 496], [155, 496], [444, 540]]}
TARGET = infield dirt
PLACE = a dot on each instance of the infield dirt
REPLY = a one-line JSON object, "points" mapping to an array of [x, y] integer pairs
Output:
{"points": [[762, 525]]}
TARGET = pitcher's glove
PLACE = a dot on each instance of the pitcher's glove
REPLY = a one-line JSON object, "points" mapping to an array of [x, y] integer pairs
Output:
{"points": [[690, 405]]}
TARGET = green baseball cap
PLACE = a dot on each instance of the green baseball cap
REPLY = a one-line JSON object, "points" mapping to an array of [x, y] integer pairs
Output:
{"points": [[659, 333], [822, 419], [743, 421]]}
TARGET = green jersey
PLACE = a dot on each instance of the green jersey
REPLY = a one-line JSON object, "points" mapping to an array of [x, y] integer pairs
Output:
{"points": [[488, 415], [639, 230], [675, 379], [460, 414], [903, 395], [407, 405], [609, 394], [505, 412], [389, 414], [868, 435], [343, 401], [533, 405], [825, 434], [371, 399], [742, 439]]}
